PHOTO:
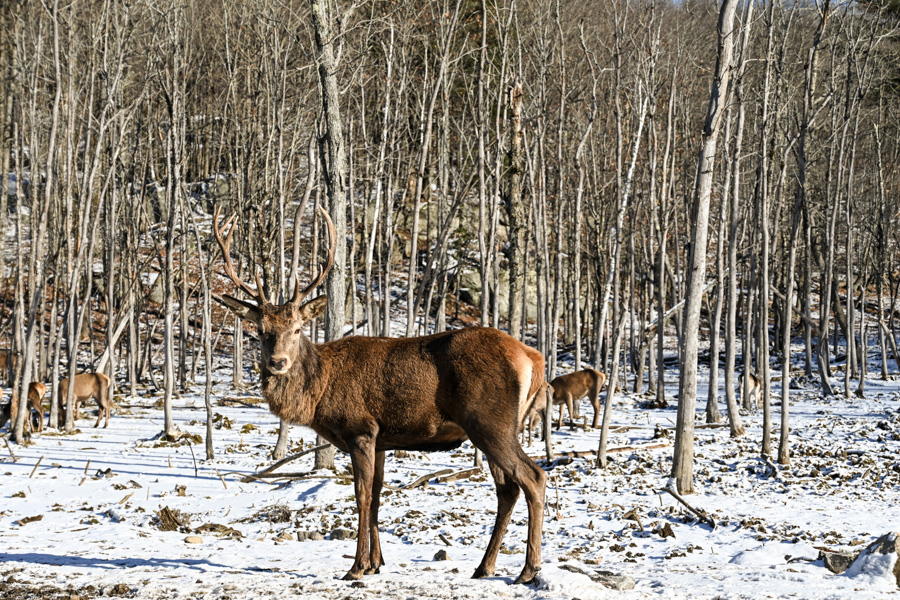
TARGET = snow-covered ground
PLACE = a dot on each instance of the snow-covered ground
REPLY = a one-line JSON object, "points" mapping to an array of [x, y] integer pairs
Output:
{"points": [[98, 494]]}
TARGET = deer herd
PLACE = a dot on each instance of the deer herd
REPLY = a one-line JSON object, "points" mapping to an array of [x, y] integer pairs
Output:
{"points": [[369, 395]]}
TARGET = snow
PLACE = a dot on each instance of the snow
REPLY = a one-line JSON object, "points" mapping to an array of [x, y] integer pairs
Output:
{"points": [[99, 531]]}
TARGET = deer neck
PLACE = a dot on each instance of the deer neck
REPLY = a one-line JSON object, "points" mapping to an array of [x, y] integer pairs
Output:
{"points": [[294, 395]]}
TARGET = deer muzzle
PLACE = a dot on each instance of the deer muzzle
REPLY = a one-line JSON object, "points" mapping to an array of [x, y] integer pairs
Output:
{"points": [[279, 364]]}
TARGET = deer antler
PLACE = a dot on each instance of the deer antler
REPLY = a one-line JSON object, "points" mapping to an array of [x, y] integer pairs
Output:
{"points": [[258, 295], [332, 242]]}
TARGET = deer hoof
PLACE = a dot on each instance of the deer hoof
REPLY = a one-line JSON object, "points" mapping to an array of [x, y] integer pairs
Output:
{"points": [[529, 576], [482, 572], [354, 574]]}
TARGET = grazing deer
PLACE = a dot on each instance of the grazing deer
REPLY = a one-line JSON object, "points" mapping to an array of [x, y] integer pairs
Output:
{"points": [[367, 395], [10, 411], [87, 385]]}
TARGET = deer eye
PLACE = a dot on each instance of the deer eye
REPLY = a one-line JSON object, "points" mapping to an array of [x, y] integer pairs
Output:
{"points": [[297, 332]]}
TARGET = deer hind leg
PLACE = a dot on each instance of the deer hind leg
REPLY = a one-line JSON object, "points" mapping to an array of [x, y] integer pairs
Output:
{"points": [[521, 472], [375, 557], [36, 405], [570, 405], [507, 494], [105, 406], [362, 456], [596, 402], [100, 410]]}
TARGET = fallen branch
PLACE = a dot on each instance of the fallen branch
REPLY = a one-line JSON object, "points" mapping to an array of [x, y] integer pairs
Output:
{"points": [[707, 426], [464, 474], [290, 476], [420, 480], [283, 461], [590, 453], [700, 514], [251, 401]]}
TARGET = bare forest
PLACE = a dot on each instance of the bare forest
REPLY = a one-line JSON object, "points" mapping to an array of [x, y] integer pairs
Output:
{"points": [[631, 186]]}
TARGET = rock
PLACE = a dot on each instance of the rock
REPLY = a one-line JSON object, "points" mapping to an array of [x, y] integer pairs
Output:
{"points": [[838, 562], [343, 534], [607, 579], [613, 581], [314, 536], [872, 558], [441, 555], [193, 539]]}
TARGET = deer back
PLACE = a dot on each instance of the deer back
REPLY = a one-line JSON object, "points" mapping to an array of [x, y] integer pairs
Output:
{"points": [[578, 384], [87, 385]]}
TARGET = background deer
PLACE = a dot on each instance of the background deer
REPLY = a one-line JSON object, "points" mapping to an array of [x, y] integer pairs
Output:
{"points": [[87, 385], [569, 389], [10, 411], [368, 395], [7, 364], [749, 384]]}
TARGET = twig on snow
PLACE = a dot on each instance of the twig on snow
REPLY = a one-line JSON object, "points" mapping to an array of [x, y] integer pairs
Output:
{"points": [[36, 465], [262, 474], [11, 453], [700, 514]]}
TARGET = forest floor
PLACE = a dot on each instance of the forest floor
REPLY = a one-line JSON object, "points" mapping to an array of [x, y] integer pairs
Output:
{"points": [[82, 514]]}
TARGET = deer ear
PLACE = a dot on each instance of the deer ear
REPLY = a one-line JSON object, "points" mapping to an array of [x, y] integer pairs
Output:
{"points": [[313, 308], [245, 310]]}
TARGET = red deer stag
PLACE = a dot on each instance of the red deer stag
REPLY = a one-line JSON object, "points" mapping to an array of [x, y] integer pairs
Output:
{"points": [[10, 411], [87, 385], [368, 395]]}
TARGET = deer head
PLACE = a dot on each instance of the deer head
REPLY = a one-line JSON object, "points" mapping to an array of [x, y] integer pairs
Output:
{"points": [[280, 325]]}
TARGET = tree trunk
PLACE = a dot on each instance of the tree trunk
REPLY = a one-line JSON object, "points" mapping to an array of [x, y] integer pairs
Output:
{"points": [[325, 19], [682, 466]]}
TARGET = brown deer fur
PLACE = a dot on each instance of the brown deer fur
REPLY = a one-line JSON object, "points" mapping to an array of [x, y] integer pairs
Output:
{"points": [[753, 386], [10, 412], [370, 395], [87, 385], [7, 364]]}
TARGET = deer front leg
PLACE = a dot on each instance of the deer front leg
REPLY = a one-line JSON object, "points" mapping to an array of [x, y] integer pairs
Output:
{"points": [[375, 557], [362, 456]]}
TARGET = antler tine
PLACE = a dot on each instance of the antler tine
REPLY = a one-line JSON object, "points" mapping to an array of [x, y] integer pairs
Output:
{"points": [[332, 242], [225, 244], [259, 286]]}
